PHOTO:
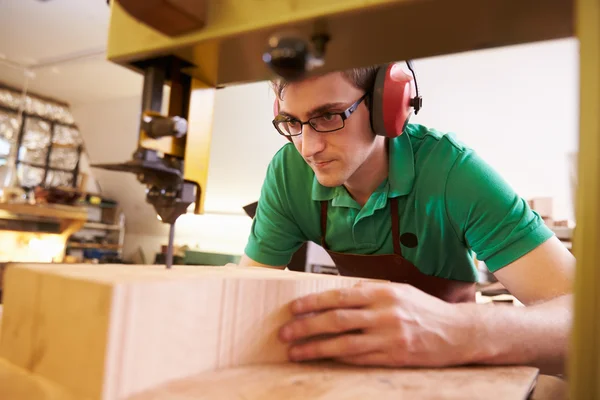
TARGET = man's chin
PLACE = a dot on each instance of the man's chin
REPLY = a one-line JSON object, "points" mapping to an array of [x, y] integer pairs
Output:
{"points": [[328, 180]]}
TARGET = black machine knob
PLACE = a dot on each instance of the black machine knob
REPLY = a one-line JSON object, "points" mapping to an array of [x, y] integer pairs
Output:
{"points": [[290, 55], [157, 126]]}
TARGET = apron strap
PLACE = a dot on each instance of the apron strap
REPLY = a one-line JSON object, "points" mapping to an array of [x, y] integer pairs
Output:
{"points": [[395, 225], [324, 224]]}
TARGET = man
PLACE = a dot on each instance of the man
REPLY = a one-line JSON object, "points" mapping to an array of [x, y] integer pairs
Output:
{"points": [[408, 209]]}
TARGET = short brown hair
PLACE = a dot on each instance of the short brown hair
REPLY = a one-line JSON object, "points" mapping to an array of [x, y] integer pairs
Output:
{"points": [[363, 78]]}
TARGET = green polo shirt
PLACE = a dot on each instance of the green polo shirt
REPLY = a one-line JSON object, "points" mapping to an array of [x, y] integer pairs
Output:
{"points": [[453, 202]]}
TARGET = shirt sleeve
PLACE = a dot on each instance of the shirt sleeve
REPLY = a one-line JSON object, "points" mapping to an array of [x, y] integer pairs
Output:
{"points": [[487, 214], [274, 235]]}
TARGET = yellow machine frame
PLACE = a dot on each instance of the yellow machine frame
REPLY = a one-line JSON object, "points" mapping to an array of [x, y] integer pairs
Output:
{"points": [[228, 51]]}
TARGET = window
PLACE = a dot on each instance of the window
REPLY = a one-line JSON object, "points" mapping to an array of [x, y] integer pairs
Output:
{"points": [[48, 143]]}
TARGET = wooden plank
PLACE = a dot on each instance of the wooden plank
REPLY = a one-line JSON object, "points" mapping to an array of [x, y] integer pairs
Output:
{"points": [[101, 226], [110, 331], [53, 325], [55, 211], [550, 387], [17, 383], [337, 382]]}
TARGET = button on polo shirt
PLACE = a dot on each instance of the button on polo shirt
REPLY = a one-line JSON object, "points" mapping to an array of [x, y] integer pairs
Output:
{"points": [[448, 198]]}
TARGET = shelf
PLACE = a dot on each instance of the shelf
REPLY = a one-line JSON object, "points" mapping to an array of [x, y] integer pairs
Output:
{"points": [[101, 226], [563, 232], [69, 218], [54, 211], [98, 246]]}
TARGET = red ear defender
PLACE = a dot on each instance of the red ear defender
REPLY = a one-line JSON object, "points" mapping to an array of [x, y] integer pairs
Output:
{"points": [[392, 103]]}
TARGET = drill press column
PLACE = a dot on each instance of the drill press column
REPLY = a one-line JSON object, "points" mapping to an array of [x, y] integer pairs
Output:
{"points": [[158, 162]]}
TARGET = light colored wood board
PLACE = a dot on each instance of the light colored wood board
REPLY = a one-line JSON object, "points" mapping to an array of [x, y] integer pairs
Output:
{"points": [[55, 326], [338, 382], [19, 384], [18, 315], [111, 331], [550, 388], [237, 324], [122, 273]]}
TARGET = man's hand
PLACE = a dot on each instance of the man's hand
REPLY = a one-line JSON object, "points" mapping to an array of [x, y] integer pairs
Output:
{"points": [[381, 324]]}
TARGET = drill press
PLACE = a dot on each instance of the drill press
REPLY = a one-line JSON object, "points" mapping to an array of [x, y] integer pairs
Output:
{"points": [[158, 161]]}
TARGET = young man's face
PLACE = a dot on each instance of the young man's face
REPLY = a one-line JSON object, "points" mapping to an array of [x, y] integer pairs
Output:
{"points": [[333, 156]]}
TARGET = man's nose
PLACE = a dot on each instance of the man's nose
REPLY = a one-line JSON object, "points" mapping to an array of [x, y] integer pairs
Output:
{"points": [[313, 142]]}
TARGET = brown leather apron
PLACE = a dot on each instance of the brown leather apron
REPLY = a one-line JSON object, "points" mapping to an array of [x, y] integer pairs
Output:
{"points": [[394, 267]]}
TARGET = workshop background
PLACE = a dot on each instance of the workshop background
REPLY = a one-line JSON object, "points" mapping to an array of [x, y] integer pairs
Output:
{"points": [[516, 106]]}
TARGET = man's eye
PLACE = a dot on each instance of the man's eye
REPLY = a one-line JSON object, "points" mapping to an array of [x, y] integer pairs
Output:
{"points": [[293, 123], [328, 117]]}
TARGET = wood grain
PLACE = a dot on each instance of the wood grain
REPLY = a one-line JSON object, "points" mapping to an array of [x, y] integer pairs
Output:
{"points": [[116, 332], [337, 382], [110, 331], [19, 384]]}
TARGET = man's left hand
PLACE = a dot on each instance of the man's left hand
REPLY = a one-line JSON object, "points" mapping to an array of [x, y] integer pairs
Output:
{"points": [[381, 324]]}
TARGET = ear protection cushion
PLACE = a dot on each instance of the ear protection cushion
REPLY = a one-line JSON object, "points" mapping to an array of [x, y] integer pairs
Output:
{"points": [[390, 104]]}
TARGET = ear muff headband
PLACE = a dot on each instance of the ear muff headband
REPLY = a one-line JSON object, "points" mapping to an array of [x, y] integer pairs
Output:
{"points": [[391, 103]]}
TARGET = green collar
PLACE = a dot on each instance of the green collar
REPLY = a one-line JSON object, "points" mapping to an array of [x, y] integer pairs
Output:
{"points": [[401, 176]]}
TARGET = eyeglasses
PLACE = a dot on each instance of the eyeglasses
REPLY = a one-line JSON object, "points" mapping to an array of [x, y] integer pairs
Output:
{"points": [[327, 122]]}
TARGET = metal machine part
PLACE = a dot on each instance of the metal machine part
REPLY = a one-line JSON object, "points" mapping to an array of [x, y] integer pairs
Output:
{"points": [[291, 57], [163, 173], [157, 126]]}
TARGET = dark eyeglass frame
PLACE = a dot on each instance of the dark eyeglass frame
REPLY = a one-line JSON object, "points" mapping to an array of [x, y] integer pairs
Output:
{"points": [[344, 115]]}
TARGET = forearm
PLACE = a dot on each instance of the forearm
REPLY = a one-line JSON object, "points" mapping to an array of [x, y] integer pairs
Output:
{"points": [[536, 335], [246, 261]]}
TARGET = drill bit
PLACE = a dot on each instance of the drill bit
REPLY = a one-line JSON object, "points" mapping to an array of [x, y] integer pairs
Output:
{"points": [[169, 260]]}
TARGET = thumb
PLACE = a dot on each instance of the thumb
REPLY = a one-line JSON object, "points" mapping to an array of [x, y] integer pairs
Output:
{"points": [[370, 282]]}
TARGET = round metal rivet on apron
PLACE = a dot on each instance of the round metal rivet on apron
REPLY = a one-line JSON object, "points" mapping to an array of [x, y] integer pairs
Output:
{"points": [[409, 239]]}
